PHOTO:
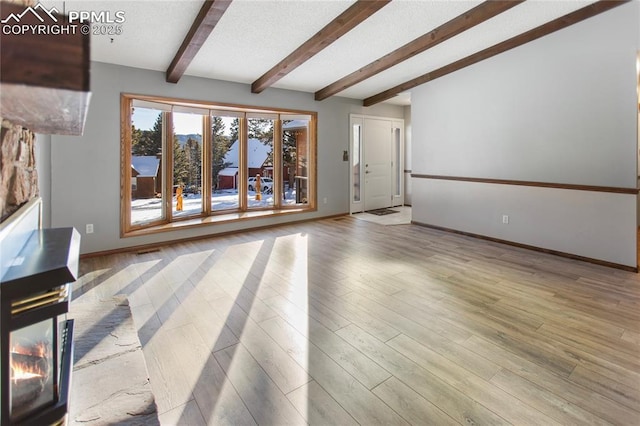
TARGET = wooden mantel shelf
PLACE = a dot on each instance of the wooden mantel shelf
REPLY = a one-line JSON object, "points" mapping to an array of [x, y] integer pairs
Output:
{"points": [[44, 72]]}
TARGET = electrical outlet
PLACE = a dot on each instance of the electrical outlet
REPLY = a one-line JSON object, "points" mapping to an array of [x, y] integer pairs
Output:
{"points": [[324, 200], [505, 219], [89, 228]]}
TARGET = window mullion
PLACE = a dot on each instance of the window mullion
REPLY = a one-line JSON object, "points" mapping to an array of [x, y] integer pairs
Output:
{"points": [[206, 185], [312, 171], [167, 156], [126, 105], [243, 174], [277, 164]]}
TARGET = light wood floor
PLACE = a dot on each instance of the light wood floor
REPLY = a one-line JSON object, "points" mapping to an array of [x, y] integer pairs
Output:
{"points": [[347, 322]]}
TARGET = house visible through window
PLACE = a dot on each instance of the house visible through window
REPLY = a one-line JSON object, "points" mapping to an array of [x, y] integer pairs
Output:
{"points": [[192, 160]]}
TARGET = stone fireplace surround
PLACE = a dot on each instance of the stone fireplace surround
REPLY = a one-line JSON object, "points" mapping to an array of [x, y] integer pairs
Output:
{"points": [[18, 175]]}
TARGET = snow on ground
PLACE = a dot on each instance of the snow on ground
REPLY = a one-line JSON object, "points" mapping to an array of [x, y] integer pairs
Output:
{"points": [[150, 209]]}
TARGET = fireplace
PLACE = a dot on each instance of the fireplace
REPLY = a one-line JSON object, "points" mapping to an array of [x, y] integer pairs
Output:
{"points": [[36, 339]]}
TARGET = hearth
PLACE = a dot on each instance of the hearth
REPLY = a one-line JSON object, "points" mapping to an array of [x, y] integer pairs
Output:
{"points": [[36, 339]]}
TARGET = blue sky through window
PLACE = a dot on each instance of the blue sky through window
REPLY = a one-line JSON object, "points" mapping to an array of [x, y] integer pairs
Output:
{"points": [[183, 124]]}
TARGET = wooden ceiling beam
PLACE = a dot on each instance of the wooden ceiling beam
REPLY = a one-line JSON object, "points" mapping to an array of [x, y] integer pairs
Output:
{"points": [[345, 22], [463, 22], [205, 22], [44, 78], [538, 32]]}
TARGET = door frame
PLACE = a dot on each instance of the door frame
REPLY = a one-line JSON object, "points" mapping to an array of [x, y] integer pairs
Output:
{"points": [[356, 204], [397, 156]]}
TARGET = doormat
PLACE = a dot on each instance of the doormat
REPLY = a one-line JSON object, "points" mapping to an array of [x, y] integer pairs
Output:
{"points": [[382, 212]]}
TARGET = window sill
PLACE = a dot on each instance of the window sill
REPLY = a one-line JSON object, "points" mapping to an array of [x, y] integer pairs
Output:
{"points": [[214, 220]]}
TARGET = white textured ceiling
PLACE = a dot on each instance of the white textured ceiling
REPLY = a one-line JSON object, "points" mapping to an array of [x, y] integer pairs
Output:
{"points": [[393, 26], [254, 35], [514, 21]]}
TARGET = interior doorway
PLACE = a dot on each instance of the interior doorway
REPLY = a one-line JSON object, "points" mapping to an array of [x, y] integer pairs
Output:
{"points": [[376, 162]]}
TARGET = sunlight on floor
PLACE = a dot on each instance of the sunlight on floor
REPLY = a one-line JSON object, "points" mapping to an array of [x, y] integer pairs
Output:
{"points": [[189, 307], [328, 322]]}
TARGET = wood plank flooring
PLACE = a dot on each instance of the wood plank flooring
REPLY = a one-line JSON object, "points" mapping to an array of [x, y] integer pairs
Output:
{"points": [[342, 321]]}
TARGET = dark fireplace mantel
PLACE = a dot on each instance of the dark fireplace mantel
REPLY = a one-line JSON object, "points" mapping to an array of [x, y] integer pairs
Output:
{"points": [[49, 256]]}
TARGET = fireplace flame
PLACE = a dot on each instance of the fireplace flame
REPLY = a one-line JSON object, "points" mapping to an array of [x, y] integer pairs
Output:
{"points": [[22, 370]]}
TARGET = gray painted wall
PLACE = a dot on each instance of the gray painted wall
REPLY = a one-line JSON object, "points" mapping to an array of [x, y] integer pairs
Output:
{"points": [[43, 166], [560, 109], [85, 170]]}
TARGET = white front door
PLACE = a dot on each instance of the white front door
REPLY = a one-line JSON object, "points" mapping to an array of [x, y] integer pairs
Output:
{"points": [[377, 163]]}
